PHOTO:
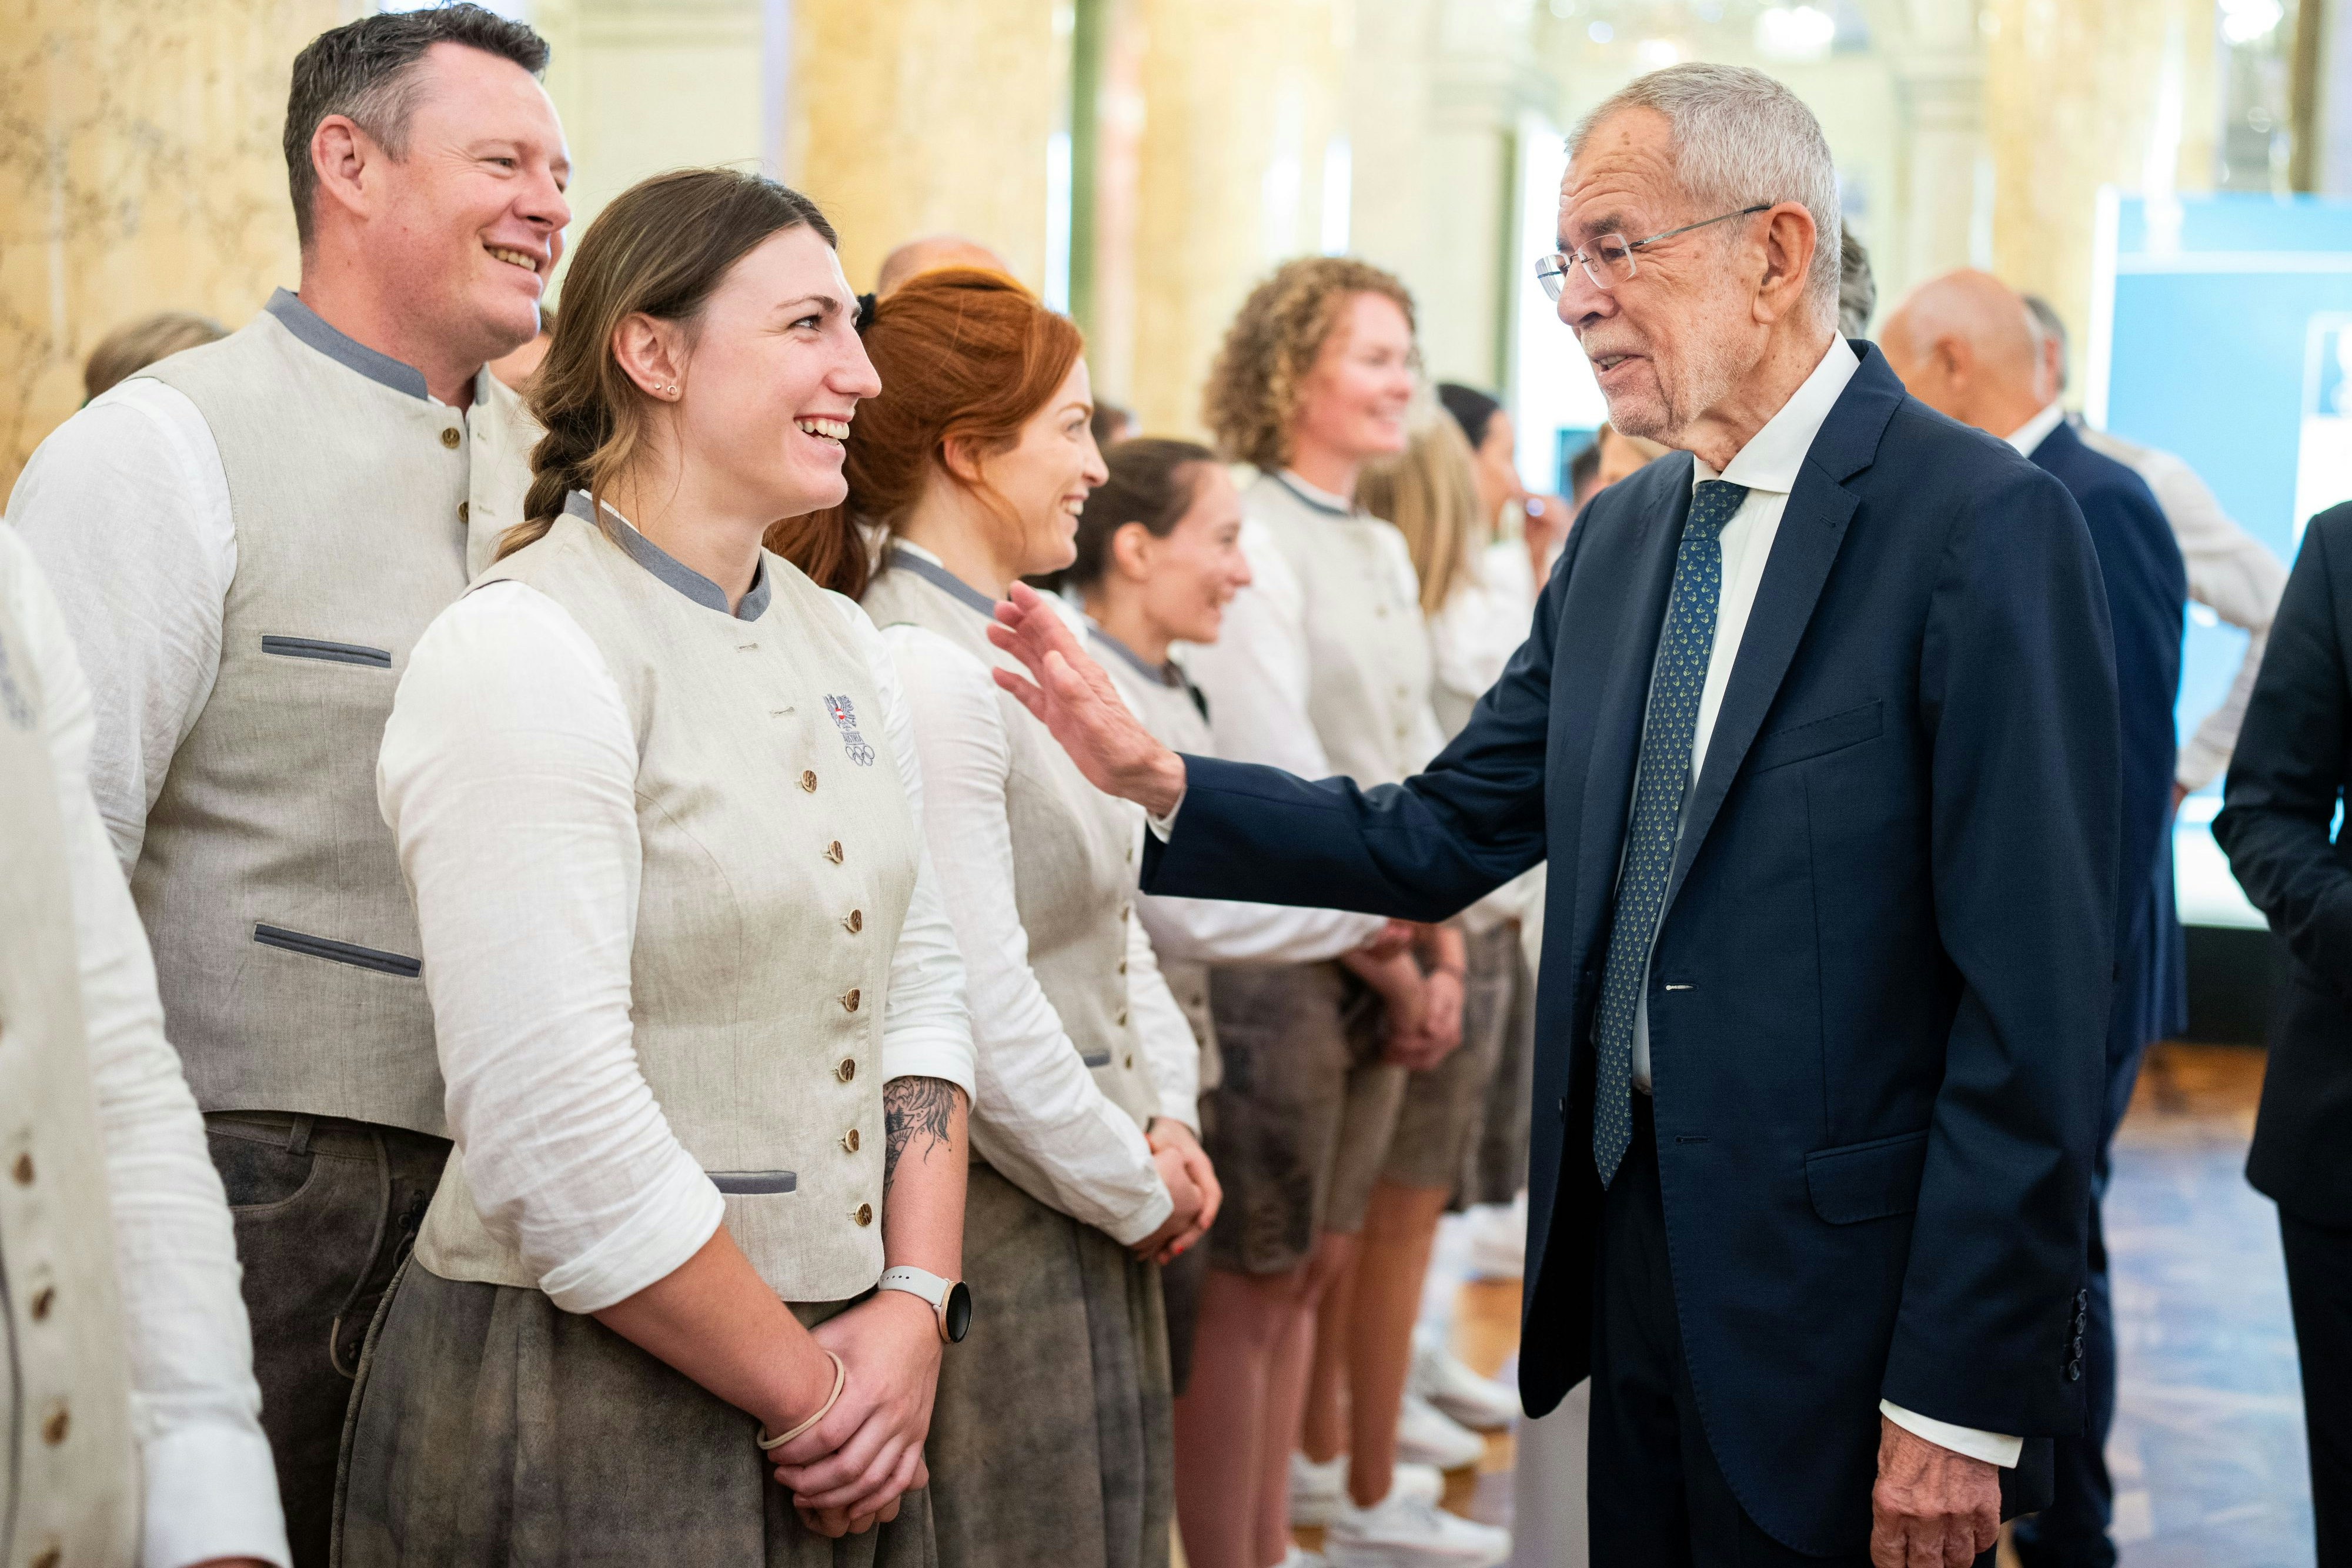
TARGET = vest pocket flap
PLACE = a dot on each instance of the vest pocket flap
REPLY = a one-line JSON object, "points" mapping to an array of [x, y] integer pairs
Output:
{"points": [[752, 1184], [1797, 742], [1867, 1181], [339, 952], [1094, 1059], [333, 652]]}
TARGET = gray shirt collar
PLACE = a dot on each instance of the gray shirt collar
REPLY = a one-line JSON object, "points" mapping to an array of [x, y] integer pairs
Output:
{"points": [[311, 328], [1159, 675], [669, 569], [939, 577]]}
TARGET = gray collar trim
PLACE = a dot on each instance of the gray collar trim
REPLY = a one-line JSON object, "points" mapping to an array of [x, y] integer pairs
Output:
{"points": [[668, 568], [1304, 499], [940, 578], [1161, 675], [311, 328]]}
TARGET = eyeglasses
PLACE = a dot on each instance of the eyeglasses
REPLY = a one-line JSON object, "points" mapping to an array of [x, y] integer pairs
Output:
{"points": [[1608, 260]]}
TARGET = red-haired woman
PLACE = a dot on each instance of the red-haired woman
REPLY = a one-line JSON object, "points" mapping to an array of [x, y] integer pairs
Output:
{"points": [[1051, 1438]]}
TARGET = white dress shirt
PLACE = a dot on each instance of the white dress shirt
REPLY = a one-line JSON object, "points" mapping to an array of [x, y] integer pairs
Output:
{"points": [[2230, 572], [510, 759], [210, 1489], [1033, 1087]]}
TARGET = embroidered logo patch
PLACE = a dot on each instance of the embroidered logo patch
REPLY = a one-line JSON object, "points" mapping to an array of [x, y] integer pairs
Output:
{"points": [[846, 716]]}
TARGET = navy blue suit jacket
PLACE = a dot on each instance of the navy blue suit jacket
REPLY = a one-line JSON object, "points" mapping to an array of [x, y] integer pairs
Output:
{"points": [[2147, 590], [1880, 985]]}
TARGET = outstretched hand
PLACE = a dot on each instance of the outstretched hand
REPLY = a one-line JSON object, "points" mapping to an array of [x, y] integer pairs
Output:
{"points": [[1072, 697]]}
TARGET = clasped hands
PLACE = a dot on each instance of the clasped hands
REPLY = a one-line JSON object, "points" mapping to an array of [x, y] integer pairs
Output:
{"points": [[847, 1472]]}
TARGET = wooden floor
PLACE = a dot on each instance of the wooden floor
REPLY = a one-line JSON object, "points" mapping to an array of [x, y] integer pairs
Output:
{"points": [[2208, 1451]]}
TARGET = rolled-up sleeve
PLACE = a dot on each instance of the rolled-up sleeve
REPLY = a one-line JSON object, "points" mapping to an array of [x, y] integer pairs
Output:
{"points": [[507, 776], [1034, 1091], [210, 1489]]}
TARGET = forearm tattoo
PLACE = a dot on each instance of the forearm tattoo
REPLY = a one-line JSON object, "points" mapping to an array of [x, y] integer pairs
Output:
{"points": [[912, 1109]]}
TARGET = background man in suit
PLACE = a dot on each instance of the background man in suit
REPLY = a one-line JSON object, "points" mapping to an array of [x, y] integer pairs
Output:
{"points": [[1964, 344], [2290, 773], [1817, 727]]}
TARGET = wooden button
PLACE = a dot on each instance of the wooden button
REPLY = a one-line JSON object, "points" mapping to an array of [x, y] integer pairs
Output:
{"points": [[856, 921], [1130, 1061], [57, 1424], [49, 1556], [465, 511], [865, 1214], [22, 1170], [1122, 1017], [849, 1000], [1124, 910], [832, 851], [847, 1070], [849, 1140], [808, 781], [449, 437], [43, 1300], [1122, 966]]}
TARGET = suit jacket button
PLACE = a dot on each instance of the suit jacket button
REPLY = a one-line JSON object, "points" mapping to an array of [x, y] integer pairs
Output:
{"points": [[849, 1140], [847, 1070], [808, 781], [832, 851], [449, 437], [2074, 1371], [465, 511], [849, 1000], [864, 1214], [856, 921]]}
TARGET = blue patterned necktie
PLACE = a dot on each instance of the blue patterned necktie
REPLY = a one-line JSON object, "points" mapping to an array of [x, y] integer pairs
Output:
{"points": [[1685, 645]]}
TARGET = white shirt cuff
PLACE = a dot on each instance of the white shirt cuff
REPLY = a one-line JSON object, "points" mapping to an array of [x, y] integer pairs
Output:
{"points": [[1992, 1447], [940, 1053], [1148, 1218], [1165, 827], [674, 1218], [212, 1491]]}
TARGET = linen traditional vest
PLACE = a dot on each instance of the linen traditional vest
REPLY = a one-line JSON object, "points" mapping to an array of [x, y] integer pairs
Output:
{"points": [[1169, 707], [1368, 655], [70, 1493], [285, 946], [1074, 868], [778, 858]]}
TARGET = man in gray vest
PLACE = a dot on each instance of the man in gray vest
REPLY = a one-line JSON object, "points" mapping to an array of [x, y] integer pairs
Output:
{"points": [[248, 538]]}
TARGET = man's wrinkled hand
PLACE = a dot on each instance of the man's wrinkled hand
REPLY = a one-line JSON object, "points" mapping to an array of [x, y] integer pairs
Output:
{"points": [[1071, 696], [1932, 1507]]}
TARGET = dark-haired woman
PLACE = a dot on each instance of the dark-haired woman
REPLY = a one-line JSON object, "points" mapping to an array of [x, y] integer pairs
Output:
{"points": [[1051, 1440], [696, 999], [1159, 557]]}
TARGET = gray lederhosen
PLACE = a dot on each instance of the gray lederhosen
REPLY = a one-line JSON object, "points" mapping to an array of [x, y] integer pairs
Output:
{"points": [[1445, 1105], [1052, 1440], [1305, 1115], [286, 950], [491, 1426]]}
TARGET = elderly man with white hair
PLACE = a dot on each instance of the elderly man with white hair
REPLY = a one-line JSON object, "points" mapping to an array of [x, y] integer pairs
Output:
{"points": [[1817, 730]]}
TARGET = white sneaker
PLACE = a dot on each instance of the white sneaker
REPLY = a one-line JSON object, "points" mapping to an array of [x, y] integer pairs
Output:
{"points": [[1478, 1403], [1427, 1435], [1498, 1240], [1317, 1491], [1397, 1532], [1299, 1557]]}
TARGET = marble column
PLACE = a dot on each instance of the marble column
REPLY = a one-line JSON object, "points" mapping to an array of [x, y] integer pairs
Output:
{"points": [[139, 170], [1943, 201], [1242, 106], [2081, 94], [645, 86], [905, 118]]}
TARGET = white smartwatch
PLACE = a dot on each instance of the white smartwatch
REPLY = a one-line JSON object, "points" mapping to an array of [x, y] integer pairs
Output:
{"points": [[951, 1300]]}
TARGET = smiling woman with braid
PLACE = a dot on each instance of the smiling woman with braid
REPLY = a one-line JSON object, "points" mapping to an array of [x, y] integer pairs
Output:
{"points": [[695, 992]]}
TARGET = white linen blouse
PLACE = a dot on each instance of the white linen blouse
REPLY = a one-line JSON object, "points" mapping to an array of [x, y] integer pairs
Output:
{"points": [[510, 763]]}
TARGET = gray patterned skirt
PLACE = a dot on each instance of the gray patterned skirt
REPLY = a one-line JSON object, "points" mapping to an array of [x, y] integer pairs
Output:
{"points": [[1051, 1442], [490, 1426]]}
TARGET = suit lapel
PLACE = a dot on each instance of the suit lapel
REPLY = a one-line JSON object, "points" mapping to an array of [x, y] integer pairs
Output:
{"points": [[1812, 526], [1624, 698]]}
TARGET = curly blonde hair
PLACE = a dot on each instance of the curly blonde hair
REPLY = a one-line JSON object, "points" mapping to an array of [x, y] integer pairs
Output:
{"points": [[1253, 386]]}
